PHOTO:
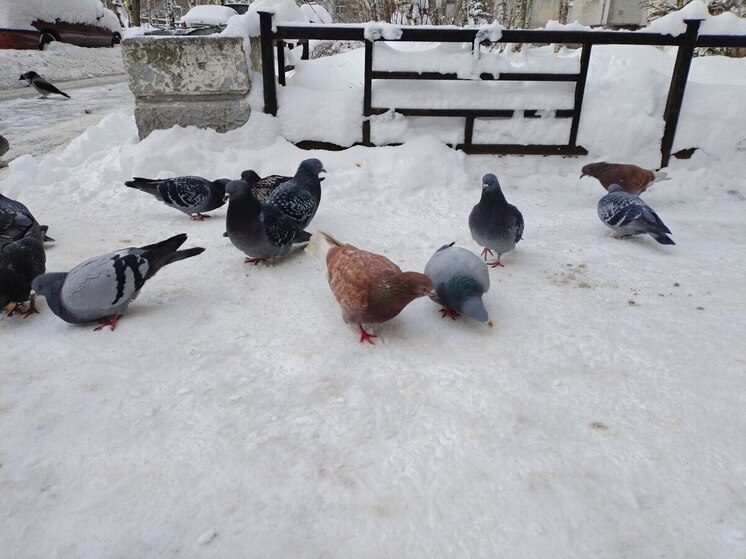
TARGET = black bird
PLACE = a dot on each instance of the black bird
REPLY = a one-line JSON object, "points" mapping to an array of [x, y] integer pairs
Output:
{"points": [[191, 195], [41, 85], [4, 146], [16, 222], [299, 197], [262, 187], [20, 262]]}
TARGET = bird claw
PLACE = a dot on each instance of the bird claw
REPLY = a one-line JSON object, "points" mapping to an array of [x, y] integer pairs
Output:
{"points": [[497, 263], [485, 252], [199, 217], [111, 321], [366, 336], [254, 261], [444, 312], [29, 311]]}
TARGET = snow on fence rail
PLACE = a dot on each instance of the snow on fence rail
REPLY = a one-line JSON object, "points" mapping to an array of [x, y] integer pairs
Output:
{"points": [[686, 43]]}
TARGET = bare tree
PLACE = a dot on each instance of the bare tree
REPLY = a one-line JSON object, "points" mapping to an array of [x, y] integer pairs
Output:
{"points": [[133, 8], [564, 6], [520, 14], [502, 12]]}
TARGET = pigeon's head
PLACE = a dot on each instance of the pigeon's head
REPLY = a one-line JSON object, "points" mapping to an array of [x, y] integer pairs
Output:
{"points": [[48, 284], [593, 169], [250, 177], [311, 167], [417, 285], [236, 188], [615, 188], [490, 182]]}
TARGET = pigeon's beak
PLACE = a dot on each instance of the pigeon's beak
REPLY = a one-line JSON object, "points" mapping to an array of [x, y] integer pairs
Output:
{"points": [[582, 175], [322, 177]]}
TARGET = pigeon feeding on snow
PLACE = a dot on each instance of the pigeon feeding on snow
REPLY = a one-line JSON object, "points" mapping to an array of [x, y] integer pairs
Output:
{"points": [[41, 85], [191, 195], [495, 224], [460, 279], [369, 287], [102, 287], [626, 214], [20, 262], [260, 231], [299, 197], [631, 178], [16, 222], [262, 187]]}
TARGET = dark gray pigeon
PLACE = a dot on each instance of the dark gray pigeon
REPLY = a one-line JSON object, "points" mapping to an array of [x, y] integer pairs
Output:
{"points": [[299, 197], [102, 287], [4, 146], [20, 262], [16, 222], [41, 85], [262, 187], [495, 224], [191, 195], [460, 279], [626, 214], [259, 230]]}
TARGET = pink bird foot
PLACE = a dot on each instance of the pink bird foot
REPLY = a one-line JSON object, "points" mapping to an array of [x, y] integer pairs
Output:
{"points": [[111, 321], [366, 336], [485, 252], [497, 263], [448, 313], [254, 261], [30, 310], [199, 217]]}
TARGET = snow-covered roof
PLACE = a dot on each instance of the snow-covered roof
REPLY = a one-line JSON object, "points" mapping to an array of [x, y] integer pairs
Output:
{"points": [[19, 14], [208, 15]]}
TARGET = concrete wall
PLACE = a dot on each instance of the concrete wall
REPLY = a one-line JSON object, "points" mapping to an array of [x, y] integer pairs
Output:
{"points": [[198, 81]]}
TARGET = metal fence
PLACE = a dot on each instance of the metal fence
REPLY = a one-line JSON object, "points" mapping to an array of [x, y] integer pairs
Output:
{"points": [[685, 42]]}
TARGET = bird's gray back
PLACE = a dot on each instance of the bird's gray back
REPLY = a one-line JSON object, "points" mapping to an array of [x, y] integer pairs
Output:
{"points": [[456, 261]]}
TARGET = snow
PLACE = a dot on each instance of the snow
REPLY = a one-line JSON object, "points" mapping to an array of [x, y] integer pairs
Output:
{"points": [[208, 15], [492, 32], [603, 416], [15, 14], [316, 13], [375, 30], [553, 25], [726, 23], [248, 23], [59, 61]]}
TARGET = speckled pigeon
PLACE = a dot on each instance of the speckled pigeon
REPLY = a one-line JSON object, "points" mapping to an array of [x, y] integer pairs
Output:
{"points": [[20, 262], [16, 222], [460, 279], [369, 287], [262, 187], [626, 214], [191, 195], [299, 197], [260, 231], [101, 288], [631, 178], [495, 224]]}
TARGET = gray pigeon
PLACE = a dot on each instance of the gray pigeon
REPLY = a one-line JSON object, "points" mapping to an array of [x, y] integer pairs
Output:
{"points": [[299, 197], [20, 262], [626, 214], [41, 85], [262, 187], [259, 230], [191, 195], [4, 146], [460, 279], [495, 224], [16, 222], [102, 287]]}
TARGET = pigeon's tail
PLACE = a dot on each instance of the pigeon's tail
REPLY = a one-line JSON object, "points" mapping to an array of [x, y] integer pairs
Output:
{"points": [[659, 176], [662, 238], [47, 238], [319, 244], [186, 253], [160, 254], [302, 237], [146, 185]]}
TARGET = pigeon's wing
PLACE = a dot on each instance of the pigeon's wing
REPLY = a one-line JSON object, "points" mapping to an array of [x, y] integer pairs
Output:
{"points": [[453, 261], [279, 228], [296, 203], [518, 223], [99, 285], [15, 220], [652, 218], [25, 257], [184, 192], [271, 182]]}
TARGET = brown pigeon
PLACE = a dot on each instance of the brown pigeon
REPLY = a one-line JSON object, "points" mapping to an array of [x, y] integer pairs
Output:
{"points": [[631, 178], [369, 287]]}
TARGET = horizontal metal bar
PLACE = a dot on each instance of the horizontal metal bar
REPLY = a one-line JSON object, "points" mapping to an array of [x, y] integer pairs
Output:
{"points": [[721, 41], [519, 149], [473, 113], [512, 76]]}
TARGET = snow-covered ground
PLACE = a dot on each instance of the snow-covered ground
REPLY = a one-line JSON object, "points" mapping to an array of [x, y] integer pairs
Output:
{"points": [[58, 62], [233, 414]]}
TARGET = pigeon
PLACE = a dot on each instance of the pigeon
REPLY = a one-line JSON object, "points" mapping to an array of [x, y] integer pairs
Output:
{"points": [[191, 195], [262, 187], [626, 214], [631, 178], [4, 145], [20, 262], [41, 85], [259, 230], [460, 279], [369, 287], [16, 222], [495, 224], [299, 197], [101, 288]]}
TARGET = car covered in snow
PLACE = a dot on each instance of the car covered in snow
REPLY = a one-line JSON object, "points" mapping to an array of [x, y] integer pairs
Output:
{"points": [[32, 24], [208, 15]]}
